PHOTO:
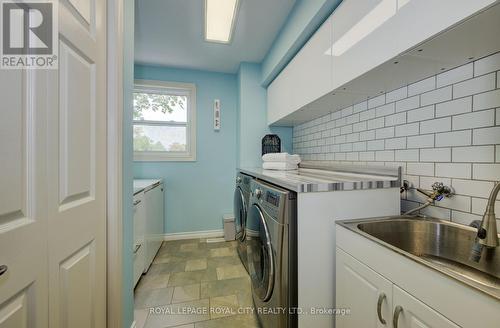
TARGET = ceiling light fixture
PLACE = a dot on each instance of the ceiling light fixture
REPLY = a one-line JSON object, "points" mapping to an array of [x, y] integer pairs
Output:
{"points": [[220, 18]]}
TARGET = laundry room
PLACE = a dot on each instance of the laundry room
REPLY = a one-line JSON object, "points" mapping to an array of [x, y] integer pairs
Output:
{"points": [[277, 165]]}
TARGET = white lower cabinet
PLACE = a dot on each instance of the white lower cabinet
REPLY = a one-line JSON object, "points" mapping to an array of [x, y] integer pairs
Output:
{"points": [[139, 226], [364, 292], [374, 301], [411, 313]]}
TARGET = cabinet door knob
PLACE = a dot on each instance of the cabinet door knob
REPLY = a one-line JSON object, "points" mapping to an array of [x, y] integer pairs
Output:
{"points": [[397, 312], [381, 298], [3, 269]]}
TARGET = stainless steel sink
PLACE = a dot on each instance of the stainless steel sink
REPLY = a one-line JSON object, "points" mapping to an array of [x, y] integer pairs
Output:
{"points": [[439, 244]]}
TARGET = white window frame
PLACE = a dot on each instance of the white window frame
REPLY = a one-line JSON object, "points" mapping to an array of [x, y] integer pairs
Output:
{"points": [[188, 89]]}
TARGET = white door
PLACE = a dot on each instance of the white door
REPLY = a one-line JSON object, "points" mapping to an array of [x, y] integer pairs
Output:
{"points": [[412, 313], [52, 181], [23, 198], [77, 168], [364, 292]]}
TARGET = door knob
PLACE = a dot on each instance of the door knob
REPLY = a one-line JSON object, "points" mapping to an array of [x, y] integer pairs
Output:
{"points": [[3, 269]]}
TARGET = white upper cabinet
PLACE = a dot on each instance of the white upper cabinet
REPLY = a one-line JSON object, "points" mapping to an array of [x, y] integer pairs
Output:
{"points": [[306, 78], [362, 38], [312, 67], [357, 39]]}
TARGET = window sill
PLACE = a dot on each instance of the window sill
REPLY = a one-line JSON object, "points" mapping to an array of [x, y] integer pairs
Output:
{"points": [[163, 157]]}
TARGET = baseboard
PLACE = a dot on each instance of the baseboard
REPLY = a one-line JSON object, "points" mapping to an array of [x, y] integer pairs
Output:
{"points": [[194, 235]]}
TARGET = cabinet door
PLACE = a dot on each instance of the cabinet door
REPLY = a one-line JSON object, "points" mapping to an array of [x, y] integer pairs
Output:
{"points": [[364, 292], [139, 225], [279, 96], [312, 67], [410, 312], [154, 222]]}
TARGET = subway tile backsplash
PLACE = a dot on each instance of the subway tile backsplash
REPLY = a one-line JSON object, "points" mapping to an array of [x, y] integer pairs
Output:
{"points": [[443, 128]]}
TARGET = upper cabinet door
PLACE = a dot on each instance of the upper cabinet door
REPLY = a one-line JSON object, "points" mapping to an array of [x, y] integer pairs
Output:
{"points": [[367, 294], [363, 38], [411, 313], [312, 67], [306, 78], [422, 19]]}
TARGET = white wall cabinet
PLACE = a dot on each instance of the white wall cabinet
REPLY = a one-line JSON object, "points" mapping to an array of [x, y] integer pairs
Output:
{"points": [[357, 39], [306, 78], [374, 301]]}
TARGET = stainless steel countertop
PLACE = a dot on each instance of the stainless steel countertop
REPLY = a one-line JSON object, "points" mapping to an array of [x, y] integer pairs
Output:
{"points": [[318, 178]]}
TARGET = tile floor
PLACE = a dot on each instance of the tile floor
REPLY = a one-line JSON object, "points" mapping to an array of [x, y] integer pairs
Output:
{"points": [[195, 284]]}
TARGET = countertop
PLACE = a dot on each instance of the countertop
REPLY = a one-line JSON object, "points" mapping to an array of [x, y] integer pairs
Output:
{"points": [[144, 184], [317, 178]]}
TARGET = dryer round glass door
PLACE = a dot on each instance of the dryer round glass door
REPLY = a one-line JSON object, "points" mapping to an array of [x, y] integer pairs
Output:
{"points": [[260, 254], [240, 211]]}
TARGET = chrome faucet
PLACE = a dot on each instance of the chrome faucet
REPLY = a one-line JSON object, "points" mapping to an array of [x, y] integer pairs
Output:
{"points": [[487, 235]]}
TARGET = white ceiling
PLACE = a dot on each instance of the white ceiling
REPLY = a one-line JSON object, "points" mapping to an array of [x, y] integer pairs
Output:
{"points": [[170, 33]]}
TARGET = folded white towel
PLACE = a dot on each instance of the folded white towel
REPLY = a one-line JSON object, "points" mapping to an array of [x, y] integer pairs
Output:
{"points": [[280, 166], [281, 157]]}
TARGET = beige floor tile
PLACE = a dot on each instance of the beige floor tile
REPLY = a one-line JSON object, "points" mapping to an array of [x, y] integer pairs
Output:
{"points": [[223, 306], [179, 314], [231, 271], [218, 252], [222, 261], [186, 293], [188, 247], [140, 317], [224, 287], [195, 265], [154, 297], [153, 281], [236, 321], [191, 277], [169, 267]]}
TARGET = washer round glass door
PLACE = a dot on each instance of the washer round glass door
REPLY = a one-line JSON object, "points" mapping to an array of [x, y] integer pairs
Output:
{"points": [[240, 210], [260, 254]]}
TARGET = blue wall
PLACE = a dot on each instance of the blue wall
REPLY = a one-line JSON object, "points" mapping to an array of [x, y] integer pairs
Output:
{"points": [[252, 117], [304, 19], [199, 193], [128, 84]]}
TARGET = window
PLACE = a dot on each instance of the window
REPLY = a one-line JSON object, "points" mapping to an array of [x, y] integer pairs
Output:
{"points": [[164, 121]]}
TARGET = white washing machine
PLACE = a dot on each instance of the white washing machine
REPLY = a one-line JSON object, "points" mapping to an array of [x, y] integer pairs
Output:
{"points": [[271, 239]]}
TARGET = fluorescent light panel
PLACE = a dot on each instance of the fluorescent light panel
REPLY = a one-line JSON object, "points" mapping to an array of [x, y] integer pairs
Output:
{"points": [[220, 16]]}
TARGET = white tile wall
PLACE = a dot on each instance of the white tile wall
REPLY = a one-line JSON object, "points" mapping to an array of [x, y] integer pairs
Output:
{"points": [[443, 128]]}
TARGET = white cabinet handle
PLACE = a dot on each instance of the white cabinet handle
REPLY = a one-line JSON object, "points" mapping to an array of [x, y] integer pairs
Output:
{"points": [[397, 312], [381, 298]]}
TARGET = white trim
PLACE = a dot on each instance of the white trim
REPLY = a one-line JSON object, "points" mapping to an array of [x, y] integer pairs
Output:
{"points": [[190, 154], [194, 235], [133, 325], [114, 308]]}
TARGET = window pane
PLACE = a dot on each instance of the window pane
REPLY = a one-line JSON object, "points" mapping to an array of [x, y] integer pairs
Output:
{"points": [[159, 138], [160, 107]]}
